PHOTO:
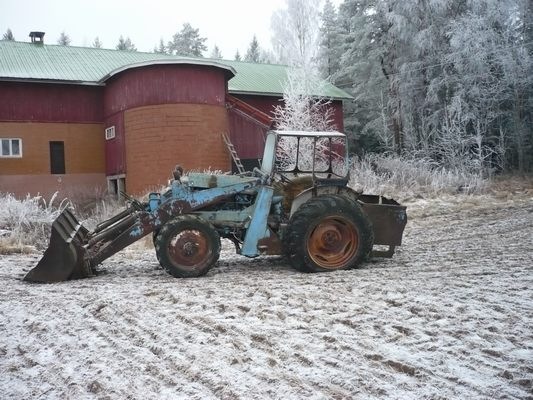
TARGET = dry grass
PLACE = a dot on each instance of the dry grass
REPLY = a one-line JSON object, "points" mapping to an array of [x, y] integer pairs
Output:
{"points": [[26, 223], [403, 178]]}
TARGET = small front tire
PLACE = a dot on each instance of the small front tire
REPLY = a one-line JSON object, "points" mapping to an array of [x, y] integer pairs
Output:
{"points": [[187, 246]]}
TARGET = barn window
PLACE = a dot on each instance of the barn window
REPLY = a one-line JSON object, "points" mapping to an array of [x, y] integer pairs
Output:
{"points": [[116, 185], [57, 157], [110, 132], [11, 147]]}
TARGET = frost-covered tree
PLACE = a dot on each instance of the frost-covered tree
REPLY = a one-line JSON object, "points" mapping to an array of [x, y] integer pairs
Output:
{"points": [[187, 42], [97, 43], [237, 56], [296, 40], [125, 44], [442, 79], [64, 39], [301, 109], [253, 54], [215, 53], [267, 57], [296, 33], [8, 35], [330, 41], [520, 78], [160, 48]]}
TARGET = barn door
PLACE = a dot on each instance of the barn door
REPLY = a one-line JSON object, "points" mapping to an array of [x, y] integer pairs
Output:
{"points": [[57, 157]]}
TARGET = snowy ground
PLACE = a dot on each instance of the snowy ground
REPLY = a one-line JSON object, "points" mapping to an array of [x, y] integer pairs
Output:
{"points": [[450, 316]]}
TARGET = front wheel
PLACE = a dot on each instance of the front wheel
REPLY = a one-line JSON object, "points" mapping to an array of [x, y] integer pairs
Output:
{"points": [[187, 246], [328, 233]]}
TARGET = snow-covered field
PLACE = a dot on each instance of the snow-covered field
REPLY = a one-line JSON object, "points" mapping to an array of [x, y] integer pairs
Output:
{"points": [[450, 316]]}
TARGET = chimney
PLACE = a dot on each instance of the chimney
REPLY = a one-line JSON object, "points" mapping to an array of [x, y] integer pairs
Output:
{"points": [[37, 37]]}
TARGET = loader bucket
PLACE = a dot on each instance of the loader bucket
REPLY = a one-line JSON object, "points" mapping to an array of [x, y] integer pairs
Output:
{"points": [[64, 258]]}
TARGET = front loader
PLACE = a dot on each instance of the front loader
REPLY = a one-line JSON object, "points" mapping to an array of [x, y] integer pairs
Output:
{"points": [[296, 204]]}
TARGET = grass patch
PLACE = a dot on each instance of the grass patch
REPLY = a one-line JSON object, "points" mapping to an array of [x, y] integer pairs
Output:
{"points": [[403, 177]]}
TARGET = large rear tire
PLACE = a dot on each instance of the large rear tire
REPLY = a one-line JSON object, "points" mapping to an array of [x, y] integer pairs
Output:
{"points": [[187, 246], [328, 233]]}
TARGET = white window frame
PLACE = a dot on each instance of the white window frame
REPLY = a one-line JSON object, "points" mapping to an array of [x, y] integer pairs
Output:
{"points": [[11, 155], [110, 133]]}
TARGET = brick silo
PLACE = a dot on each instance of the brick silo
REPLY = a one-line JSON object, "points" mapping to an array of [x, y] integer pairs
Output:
{"points": [[163, 114]]}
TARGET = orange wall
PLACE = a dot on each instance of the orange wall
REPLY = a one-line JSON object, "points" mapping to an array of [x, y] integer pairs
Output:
{"points": [[75, 187], [84, 147], [159, 137]]}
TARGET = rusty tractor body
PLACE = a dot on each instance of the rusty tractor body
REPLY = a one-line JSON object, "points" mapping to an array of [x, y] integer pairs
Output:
{"points": [[296, 204]]}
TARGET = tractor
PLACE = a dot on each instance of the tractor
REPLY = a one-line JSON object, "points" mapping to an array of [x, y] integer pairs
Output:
{"points": [[297, 204]]}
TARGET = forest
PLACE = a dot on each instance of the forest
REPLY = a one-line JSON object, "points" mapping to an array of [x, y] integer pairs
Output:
{"points": [[450, 81]]}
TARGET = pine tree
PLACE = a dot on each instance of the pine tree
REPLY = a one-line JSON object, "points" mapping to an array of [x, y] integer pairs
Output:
{"points": [[187, 42], [330, 41], [64, 39], [253, 54], [8, 35], [125, 44], [161, 48], [237, 56], [215, 53], [97, 43]]}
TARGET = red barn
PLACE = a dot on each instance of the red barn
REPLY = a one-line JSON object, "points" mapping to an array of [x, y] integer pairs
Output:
{"points": [[76, 119]]}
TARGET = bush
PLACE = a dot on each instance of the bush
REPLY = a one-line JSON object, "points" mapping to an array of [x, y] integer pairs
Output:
{"points": [[405, 177], [25, 224]]}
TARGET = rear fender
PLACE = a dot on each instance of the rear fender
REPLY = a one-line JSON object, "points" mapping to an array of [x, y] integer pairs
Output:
{"points": [[307, 194]]}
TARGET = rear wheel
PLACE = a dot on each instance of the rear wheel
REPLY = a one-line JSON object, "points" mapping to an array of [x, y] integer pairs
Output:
{"points": [[328, 233], [187, 246]]}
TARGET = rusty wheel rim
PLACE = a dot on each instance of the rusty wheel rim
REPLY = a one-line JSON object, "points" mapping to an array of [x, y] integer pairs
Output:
{"points": [[189, 249], [333, 242]]}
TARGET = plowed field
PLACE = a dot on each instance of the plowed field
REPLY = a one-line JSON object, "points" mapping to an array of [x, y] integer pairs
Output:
{"points": [[449, 316]]}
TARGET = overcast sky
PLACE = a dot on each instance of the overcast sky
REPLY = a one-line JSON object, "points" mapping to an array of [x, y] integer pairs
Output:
{"points": [[230, 24]]}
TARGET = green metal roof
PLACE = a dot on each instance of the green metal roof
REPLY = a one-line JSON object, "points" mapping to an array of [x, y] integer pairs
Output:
{"points": [[267, 79], [90, 66]]}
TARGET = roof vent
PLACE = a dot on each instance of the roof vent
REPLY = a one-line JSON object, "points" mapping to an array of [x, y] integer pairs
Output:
{"points": [[37, 37]]}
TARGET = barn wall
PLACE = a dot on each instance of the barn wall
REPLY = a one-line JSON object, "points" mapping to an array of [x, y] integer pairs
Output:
{"points": [[338, 115], [40, 102], [115, 149], [76, 187], [84, 157], [247, 135], [159, 137], [84, 144], [265, 104], [164, 84]]}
